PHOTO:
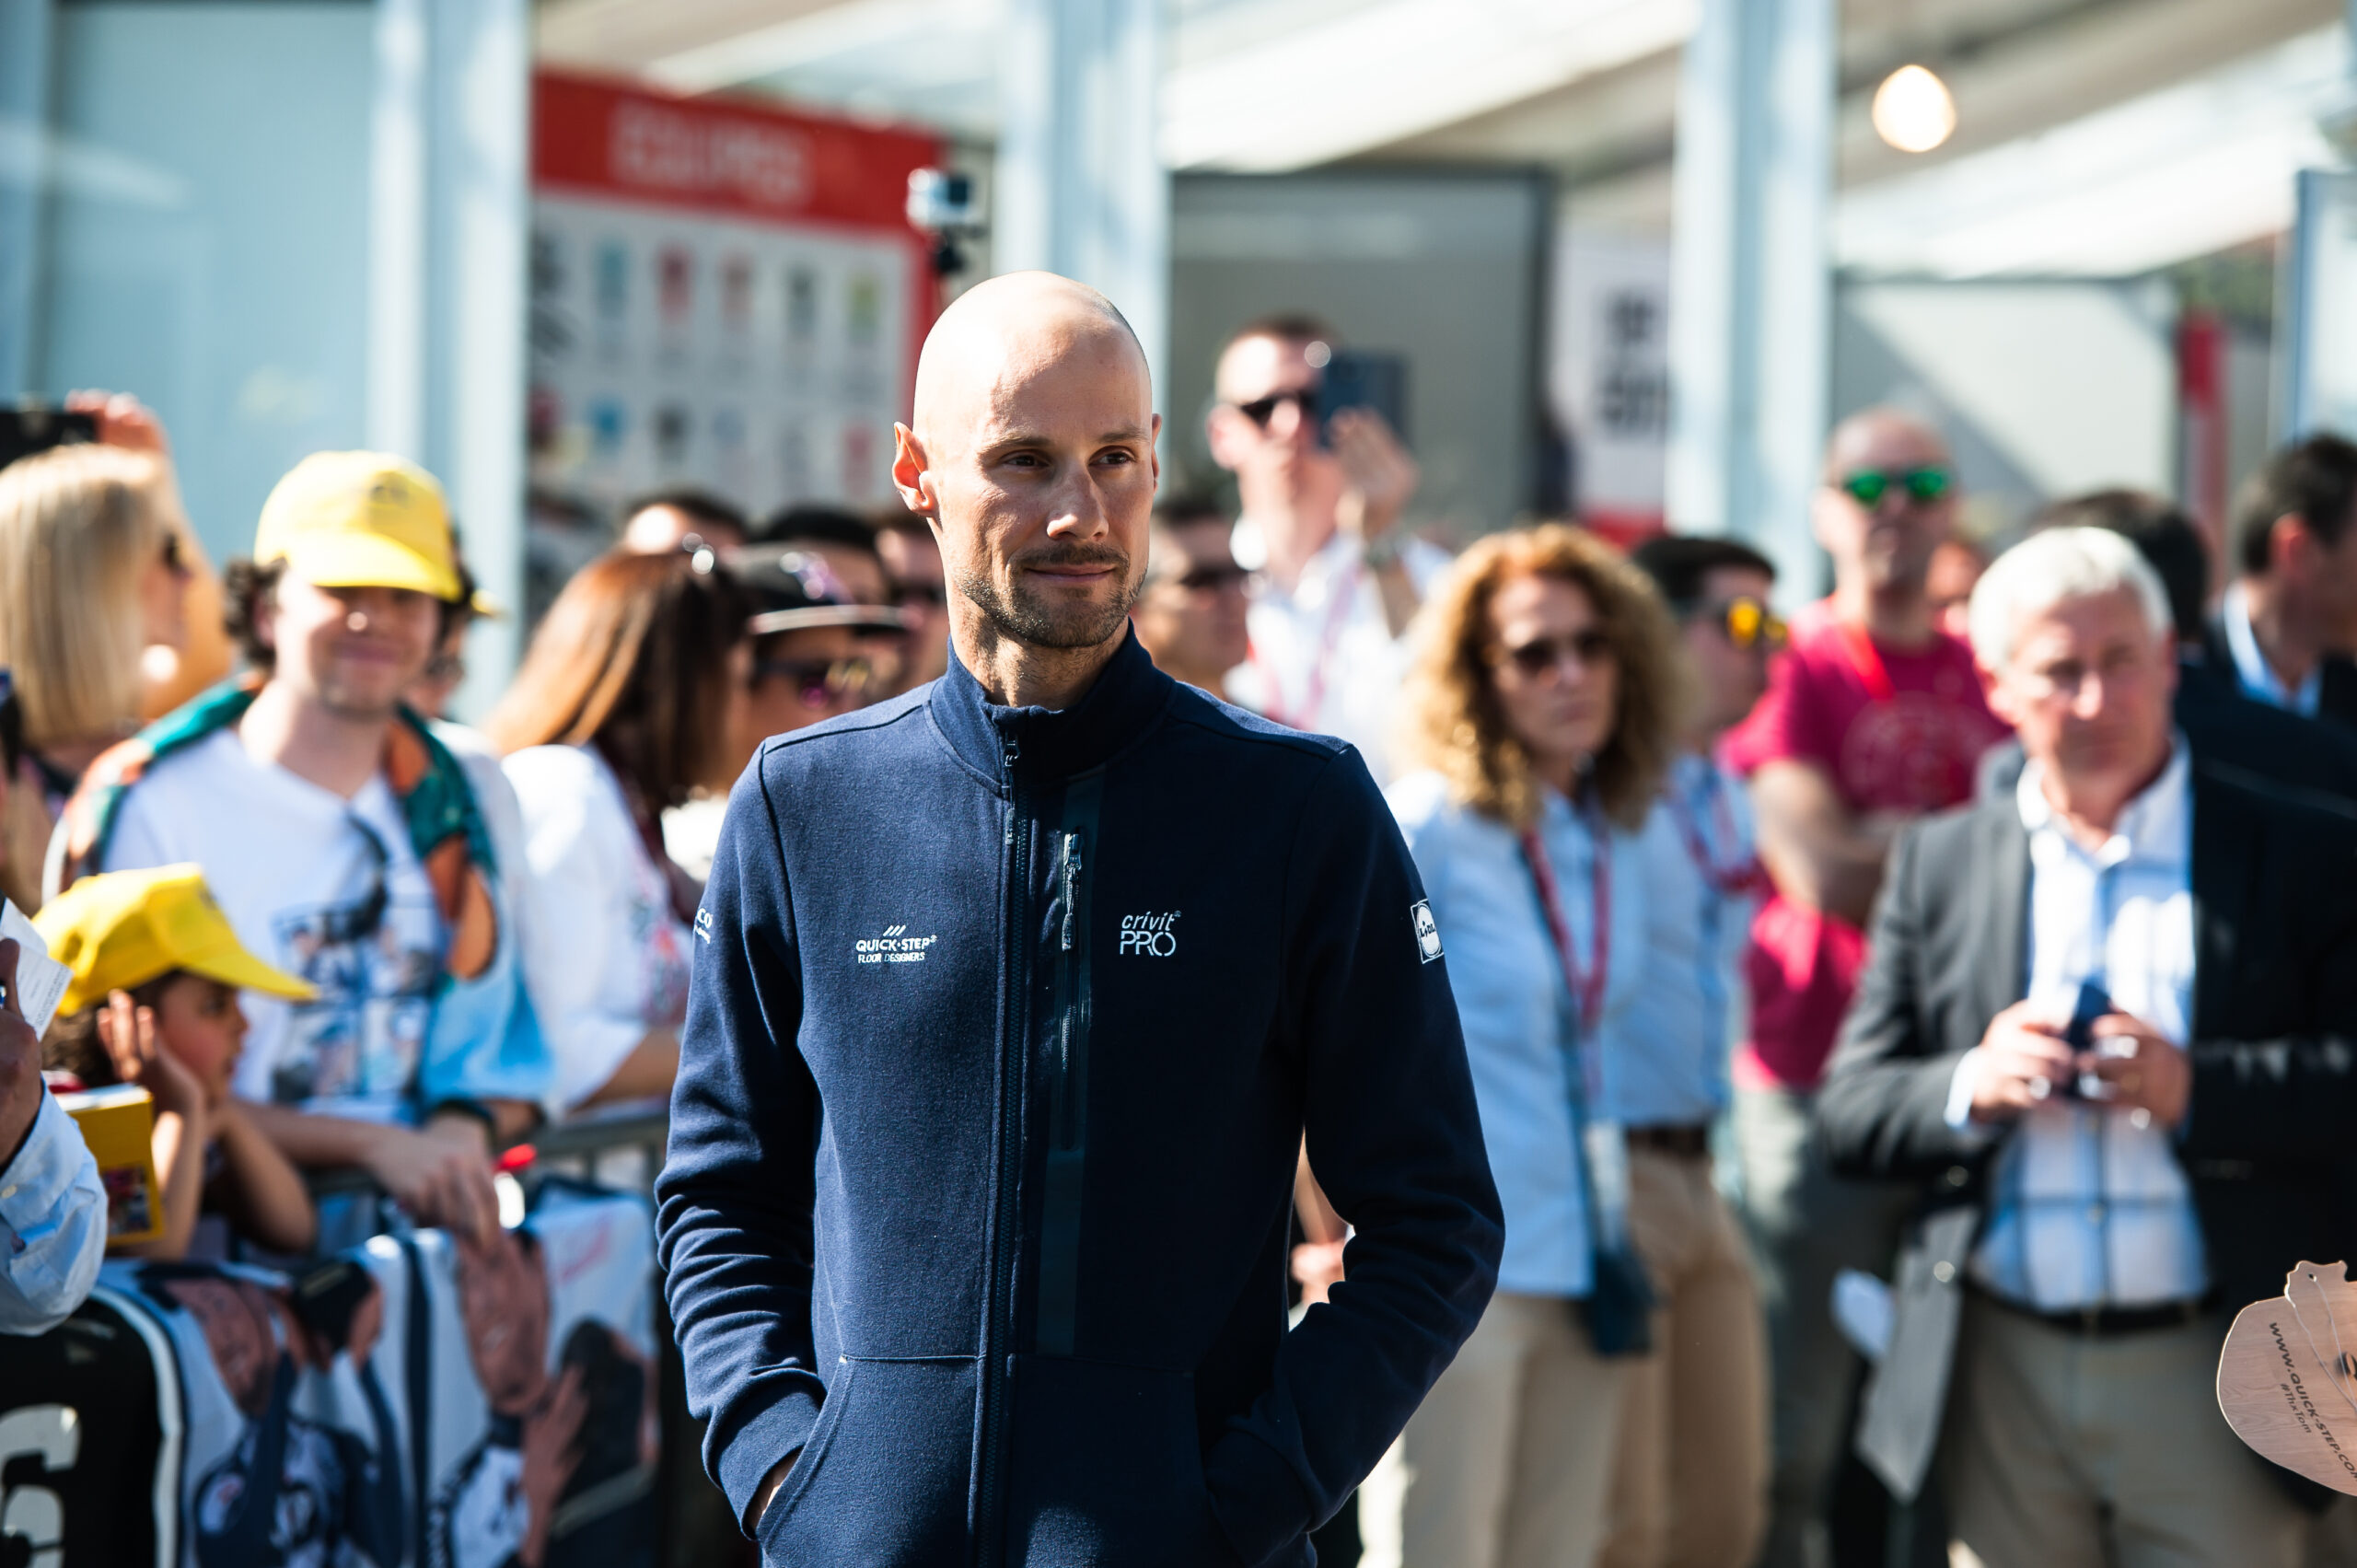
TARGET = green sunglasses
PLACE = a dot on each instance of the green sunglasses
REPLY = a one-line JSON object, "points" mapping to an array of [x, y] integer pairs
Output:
{"points": [[1868, 486]]}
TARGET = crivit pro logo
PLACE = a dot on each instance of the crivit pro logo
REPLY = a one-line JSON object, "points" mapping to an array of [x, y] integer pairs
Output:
{"points": [[895, 946], [1152, 935]]}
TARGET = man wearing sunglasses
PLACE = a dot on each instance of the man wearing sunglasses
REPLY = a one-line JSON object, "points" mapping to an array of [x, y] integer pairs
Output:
{"points": [[1012, 1001], [1873, 718], [1691, 1485], [1192, 614], [1323, 491]]}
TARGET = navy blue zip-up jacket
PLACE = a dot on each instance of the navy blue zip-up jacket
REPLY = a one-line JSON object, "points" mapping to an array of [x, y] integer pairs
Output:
{"points": [[1004, 1026]]}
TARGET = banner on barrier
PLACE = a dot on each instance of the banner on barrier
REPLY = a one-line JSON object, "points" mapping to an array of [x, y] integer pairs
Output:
{"points": [[418, 1403]]}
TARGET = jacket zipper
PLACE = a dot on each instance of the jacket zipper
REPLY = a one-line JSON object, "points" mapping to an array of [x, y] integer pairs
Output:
{"points": [[1067, 1157], [990, 1543]]}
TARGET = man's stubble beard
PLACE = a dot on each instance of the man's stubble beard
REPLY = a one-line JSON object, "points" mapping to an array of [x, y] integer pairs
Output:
{"points": [[1026, 619]]}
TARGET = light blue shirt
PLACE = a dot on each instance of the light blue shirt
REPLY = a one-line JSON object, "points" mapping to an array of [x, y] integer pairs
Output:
{"points": [[1669, 1046], [53, 1224], [2252, 672], [1510, 1000], [2089, 1204]]}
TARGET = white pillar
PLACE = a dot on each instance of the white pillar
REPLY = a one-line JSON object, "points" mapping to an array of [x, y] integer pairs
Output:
{"points": [[449, 218], [1079, 187], [1750, 293]]}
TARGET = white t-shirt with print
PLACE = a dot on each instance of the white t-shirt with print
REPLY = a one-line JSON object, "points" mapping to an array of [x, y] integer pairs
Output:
{"points": [[1323, 656], [327, 888], [607, 957]]}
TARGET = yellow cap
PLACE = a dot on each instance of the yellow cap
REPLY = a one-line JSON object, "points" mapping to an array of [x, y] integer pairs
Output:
{"points": [[360, 521], [125, 928]]}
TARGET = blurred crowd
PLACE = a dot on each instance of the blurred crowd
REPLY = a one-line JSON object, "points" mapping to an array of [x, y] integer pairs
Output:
{"points": [[1898, 1033]]}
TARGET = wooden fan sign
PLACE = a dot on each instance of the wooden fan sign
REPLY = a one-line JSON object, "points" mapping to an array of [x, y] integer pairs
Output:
{"points": [[2287, 1379]]}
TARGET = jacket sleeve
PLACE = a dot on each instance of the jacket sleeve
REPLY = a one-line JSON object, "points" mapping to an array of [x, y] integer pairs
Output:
{"points": [[1396, 1141], [734, 1200], [1883, 1110], [53, 1224]]}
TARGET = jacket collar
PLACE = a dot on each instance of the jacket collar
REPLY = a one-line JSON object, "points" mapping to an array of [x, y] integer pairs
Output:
{"points": [[1052, 743]]}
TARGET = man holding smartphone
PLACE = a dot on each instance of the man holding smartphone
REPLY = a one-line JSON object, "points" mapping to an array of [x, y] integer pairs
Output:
{"points": [[2106, 1024], [1323, 489]]}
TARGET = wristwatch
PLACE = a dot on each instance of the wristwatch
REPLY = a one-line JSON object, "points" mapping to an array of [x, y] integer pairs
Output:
{"points": [[1381, 551]]}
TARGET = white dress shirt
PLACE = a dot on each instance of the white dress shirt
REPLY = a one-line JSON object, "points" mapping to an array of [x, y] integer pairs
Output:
{"points": [[2089, 1206], [1323, 656], [2252, 672], [53, 1224]]}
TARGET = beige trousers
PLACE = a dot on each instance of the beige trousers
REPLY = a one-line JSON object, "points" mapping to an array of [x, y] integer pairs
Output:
{"points": [[2068, 1452], [1690, 1487], [1506, 1462]]}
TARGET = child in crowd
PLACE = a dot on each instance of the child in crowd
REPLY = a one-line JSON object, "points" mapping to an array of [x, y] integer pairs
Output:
{"points": [[154, 1002]]}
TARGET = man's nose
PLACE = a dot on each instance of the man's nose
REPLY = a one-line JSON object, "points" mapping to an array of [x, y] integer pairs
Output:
{"points": [[1078, 511]]}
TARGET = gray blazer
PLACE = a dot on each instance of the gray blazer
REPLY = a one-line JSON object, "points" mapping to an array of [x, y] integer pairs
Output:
{"points": [[2268, 1147]]}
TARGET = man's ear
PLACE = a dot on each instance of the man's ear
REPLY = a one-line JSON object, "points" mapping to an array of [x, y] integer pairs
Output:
{"points": [[1218, 428], [910, 476], [1154, 452], [2290, 544], [1992, 692], [1824, 516], [263, 616]]}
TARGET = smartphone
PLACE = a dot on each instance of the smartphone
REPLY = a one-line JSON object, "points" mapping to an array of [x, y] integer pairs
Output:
{"points": [[32, 427], [1358, 379], [2094, 1002]]}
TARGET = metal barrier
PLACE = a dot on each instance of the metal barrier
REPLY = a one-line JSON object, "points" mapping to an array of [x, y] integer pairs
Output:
{"points": [[580, 1147]]}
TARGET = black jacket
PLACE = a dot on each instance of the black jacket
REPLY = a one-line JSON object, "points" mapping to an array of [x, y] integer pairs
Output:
{"points": [[1004, 1031], [2268, 1143], [2336, 677]]}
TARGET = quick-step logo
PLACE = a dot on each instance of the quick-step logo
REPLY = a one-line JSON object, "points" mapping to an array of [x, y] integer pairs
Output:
{"points": [[1151, 934], [895, 946]]}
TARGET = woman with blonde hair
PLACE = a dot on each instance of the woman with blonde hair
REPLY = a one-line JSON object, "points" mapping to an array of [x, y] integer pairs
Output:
{"points": [[626, 701], [94, 571], [1542, 702]]}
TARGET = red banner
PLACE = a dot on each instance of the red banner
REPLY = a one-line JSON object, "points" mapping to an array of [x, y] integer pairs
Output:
{"points": [[720, 155]]}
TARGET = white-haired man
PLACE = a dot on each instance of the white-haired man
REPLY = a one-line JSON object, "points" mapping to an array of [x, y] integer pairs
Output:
{"points": [[2106, 1022]]}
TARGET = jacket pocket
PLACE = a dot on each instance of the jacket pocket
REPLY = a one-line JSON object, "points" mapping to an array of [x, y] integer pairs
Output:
{"points": [[1105, 1469], [883, 1478]]}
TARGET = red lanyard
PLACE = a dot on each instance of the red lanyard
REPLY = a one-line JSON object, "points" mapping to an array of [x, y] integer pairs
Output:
{"points": [[1338, 611], [1586, 985], [1727, 879], [1866, 659]]}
